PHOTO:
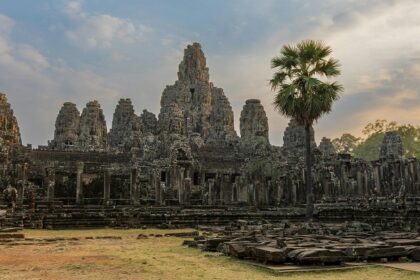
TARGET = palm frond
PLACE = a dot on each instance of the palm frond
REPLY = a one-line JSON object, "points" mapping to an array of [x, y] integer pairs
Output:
{"points": [[300, 93]]}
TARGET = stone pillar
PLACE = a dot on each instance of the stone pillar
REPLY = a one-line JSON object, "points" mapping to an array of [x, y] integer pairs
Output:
{"points": [[234, 193], [294, 192], [376, 180], [359, 178], [50, 184], [107, 186], [134, 197], [158, 188], [225, 193], [187, 191], [79, 183], [251, 200], [210, 190], [180, 184]]}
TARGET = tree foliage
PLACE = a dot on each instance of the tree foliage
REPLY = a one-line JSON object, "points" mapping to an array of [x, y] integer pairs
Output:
{"points": [[368, 148]]}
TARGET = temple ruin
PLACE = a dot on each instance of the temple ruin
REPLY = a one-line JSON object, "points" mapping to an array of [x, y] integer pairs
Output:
{"points": [[191, 157]]}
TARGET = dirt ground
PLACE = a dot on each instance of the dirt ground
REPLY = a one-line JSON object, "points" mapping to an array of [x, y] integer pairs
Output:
{"points": [[152, 258]]}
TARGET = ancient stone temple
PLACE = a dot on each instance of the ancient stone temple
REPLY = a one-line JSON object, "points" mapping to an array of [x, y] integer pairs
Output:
{"points": [[392, 146], [9, 129], [92, 128], [191, 157], [66, 133]]}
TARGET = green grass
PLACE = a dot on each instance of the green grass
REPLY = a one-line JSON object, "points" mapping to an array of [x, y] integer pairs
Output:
{"points": [[152, 258]]}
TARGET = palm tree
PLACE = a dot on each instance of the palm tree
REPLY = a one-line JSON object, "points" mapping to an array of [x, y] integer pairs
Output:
{"points": [[300, 93]]}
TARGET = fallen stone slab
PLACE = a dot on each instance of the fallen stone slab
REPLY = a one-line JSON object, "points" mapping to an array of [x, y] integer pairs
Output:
{"points": [[390, 253], [269, 254], [183, 234], [211, 244], [403, 242], [414, 254], [321, 256], [237, 250]]}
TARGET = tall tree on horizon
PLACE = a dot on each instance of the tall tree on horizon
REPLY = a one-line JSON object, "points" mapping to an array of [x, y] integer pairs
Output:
{"points": [[302, 95]]}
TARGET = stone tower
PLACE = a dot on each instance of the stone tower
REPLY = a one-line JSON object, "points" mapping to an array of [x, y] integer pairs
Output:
{"points": [[294, 141], [122, 123], [204, 108], [326, 147], [149, 122], [9, 128], [392, 146], [254, 127], [92, 128], [66, 125]]}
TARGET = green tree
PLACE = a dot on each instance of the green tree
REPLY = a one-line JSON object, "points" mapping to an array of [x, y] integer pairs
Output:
{"points": [[302, 95], [346, 143], [368, 149]]}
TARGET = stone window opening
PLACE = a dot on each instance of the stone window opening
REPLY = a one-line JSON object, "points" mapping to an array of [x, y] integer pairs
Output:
{"points": [[196, 178], [163, 176]]}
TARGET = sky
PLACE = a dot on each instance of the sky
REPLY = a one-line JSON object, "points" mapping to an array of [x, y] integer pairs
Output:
{"points": [[52, 51]]}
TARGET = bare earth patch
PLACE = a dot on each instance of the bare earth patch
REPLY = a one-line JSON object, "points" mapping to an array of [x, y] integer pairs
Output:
{"points": [[152, 258]]}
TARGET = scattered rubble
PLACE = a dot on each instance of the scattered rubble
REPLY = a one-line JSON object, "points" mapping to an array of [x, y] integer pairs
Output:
{"points": [[309, 243]]}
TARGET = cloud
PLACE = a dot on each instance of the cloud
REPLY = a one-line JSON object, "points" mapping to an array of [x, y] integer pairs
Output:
{"points": [[6, 24], [27, 52], [32, 82], [92, 31]]}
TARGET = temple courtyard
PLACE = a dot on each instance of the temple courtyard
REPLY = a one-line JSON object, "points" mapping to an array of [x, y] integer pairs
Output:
{"points": [[145, 254]]}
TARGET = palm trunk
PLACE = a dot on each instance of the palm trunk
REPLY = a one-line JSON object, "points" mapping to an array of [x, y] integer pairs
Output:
{"points": [[309, 188]]}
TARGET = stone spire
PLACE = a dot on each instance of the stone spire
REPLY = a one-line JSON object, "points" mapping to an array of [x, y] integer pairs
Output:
{"points": [[9, 128], [204, 108], [192, 68], [122, 123], [254, 126], [294, 141], [326, 147], [149, 122], [392, 146], [92, 128], [66, 125]]}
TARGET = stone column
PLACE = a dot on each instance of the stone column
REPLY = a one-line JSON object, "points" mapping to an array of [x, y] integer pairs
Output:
{"points": [[225, 193], [133, 187], [251, 193], [79, 183], [211, 188], [234, 193], [359, 178], [294, 192], [187, 191], [50, 184], [376, 180], [158, 188], [107, 186], [180, 184]]}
